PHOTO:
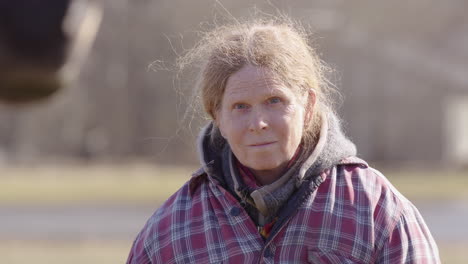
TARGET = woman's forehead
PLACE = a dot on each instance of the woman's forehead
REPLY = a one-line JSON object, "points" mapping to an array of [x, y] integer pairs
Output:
{"points": [[250, 73], [254, 79]]}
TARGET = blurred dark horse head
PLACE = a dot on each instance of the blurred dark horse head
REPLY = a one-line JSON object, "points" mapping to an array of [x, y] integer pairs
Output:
{"points": [[37, 43]]}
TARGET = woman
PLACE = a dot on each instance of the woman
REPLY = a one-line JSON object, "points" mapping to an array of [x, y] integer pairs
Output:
{"points": [[280, 182]]}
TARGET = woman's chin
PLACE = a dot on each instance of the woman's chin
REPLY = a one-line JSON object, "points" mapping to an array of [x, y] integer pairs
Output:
{"points": [[260, 168]]}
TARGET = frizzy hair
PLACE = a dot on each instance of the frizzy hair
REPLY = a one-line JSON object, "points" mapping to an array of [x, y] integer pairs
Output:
{"points": [[279, 45]]}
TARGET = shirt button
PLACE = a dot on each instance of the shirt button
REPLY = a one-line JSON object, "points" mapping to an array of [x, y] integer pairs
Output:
{"points": [[267, 253], [235, 211]]}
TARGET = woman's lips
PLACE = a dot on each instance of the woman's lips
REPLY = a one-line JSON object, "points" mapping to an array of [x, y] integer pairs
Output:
{"points": [[261, 144]]}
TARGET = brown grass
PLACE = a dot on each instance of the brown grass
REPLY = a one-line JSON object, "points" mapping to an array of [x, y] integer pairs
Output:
{"points": [[44, 252], [421, 185], [144, 183], [135, 183]]}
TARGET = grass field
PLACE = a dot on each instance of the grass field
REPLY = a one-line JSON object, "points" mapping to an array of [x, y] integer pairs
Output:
{"points": [[143, 183], [45, 252], [149, 184], [136, 183]]}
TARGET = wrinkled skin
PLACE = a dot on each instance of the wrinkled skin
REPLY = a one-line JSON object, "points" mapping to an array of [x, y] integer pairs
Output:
{"points": [[262, 120]]}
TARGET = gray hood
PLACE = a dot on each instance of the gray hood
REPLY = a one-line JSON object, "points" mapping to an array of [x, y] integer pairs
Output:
{"points": [[217, 158]]}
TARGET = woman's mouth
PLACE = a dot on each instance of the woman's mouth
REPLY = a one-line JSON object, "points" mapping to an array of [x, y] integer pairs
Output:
{"points": [[262, 144]]}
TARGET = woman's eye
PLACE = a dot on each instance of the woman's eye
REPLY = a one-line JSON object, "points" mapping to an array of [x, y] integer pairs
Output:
{"points": [[240, 106], [274, 100]]}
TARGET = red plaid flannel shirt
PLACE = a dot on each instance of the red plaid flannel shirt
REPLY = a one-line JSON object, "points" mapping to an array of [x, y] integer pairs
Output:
{"points": [[354, 216]]}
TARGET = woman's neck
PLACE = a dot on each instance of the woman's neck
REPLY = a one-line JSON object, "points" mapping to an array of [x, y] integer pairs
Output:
{"points": [[265, 177]]}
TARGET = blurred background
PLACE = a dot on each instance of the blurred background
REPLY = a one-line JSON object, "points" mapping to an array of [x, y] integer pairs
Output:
{"points": [[82, 169]]}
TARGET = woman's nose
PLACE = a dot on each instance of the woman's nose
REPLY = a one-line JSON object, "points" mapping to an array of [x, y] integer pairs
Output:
{"points": [[258, 121]]}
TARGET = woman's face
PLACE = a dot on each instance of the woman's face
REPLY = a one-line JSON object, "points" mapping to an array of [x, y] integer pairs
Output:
{"points": [[262, 120]]}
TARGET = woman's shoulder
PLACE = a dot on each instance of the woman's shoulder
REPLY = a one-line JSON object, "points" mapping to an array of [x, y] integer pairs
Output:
{"points": [[175, 212], [398, 226], [182, 200], [365, 182], [356, 171], [157, 226]]}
